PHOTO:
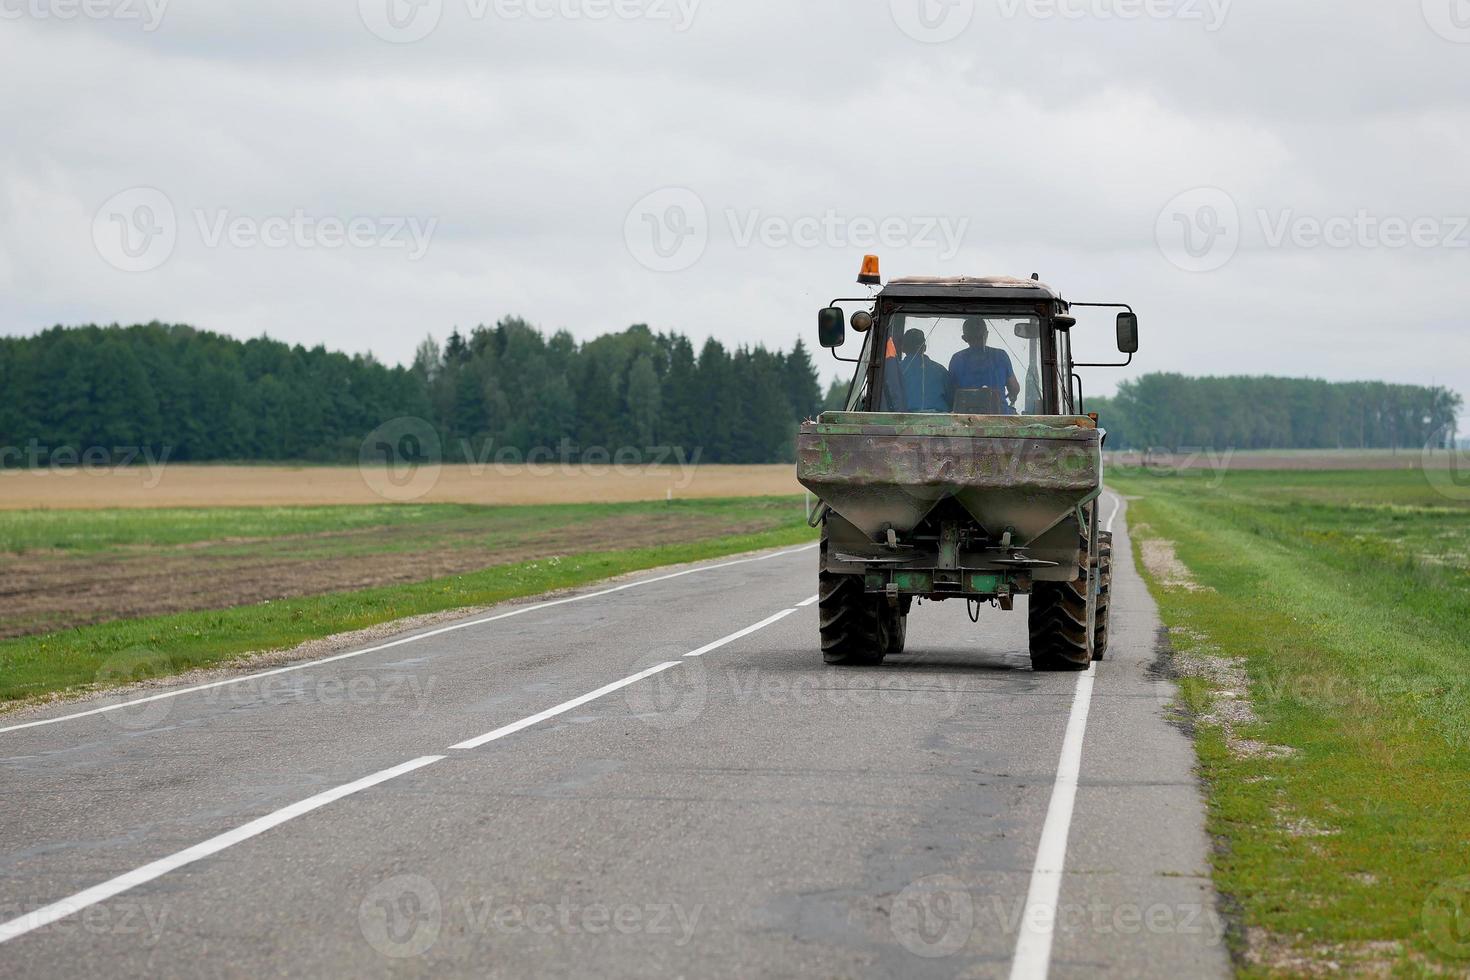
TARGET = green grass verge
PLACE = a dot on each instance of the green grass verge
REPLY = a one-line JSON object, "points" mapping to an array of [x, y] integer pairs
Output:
{"points": [[88, 531], [119, 652], [93, 531], [1346, 597]]}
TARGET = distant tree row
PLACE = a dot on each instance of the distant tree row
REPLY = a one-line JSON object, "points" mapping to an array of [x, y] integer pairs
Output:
{"points": [[200, 396], [1170, 411]]}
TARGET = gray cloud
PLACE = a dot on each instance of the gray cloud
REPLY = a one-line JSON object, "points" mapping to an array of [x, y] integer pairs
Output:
{"points": [[1055, 139]]}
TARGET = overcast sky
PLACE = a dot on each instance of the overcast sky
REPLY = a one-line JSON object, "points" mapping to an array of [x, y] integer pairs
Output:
{"points": [[1277, 186]]}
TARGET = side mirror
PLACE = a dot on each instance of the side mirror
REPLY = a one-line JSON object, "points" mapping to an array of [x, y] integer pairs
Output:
{"points": [[1127, 333], [831, 327]]}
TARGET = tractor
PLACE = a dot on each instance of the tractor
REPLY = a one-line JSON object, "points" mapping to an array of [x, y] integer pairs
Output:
{"points": [[961, 466]]}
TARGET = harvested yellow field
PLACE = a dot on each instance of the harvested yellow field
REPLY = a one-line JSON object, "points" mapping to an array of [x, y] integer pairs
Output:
{"points": [[181, 485]]}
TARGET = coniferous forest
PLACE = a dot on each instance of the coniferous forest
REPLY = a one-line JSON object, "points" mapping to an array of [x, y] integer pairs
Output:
{"points": [[201, 396]]}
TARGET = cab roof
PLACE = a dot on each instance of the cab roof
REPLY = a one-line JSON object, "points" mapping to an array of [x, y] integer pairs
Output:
{"points": [[970, 287]]}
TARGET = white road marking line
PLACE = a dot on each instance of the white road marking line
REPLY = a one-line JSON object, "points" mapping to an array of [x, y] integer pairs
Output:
{"points": [[565, 706], [400, 642], [132, 879], [808, 602], [739, 633], [1038, 925]]}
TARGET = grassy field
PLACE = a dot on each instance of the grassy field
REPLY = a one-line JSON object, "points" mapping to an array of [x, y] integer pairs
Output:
{"points": [[335, 529], [1321, 622], [65, 569], [91, 531], [146, 593]]}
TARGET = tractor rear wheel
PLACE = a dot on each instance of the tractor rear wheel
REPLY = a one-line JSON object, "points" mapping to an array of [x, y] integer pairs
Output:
{"points": [[1058, 620], [1058, 617], [1104, 594], [854, 626]]}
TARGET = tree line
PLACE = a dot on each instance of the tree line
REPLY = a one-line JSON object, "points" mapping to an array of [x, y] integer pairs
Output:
{"points": [[174, 392], [1171, 411], [190, 395]]}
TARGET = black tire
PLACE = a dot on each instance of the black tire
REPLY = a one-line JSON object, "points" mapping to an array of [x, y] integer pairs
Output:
{"points": [[1058, 621], [853, 630], [1058, 617], [1104, 594]]}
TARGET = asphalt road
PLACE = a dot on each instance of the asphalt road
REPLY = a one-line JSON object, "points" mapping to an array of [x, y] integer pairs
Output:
{"points": [[598, 786]]}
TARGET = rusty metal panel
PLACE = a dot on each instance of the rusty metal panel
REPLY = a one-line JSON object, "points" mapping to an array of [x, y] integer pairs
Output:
{"points": [[888, 470]]}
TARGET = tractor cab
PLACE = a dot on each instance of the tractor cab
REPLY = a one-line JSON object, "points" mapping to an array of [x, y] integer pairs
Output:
{"points": [[992, 345]]}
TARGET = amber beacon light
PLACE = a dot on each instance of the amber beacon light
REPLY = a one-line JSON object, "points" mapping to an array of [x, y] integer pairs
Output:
{"points": [[869, 275]]}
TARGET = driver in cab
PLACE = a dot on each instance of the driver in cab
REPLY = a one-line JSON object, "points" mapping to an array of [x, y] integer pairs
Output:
{"points": [[978, 366]]}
